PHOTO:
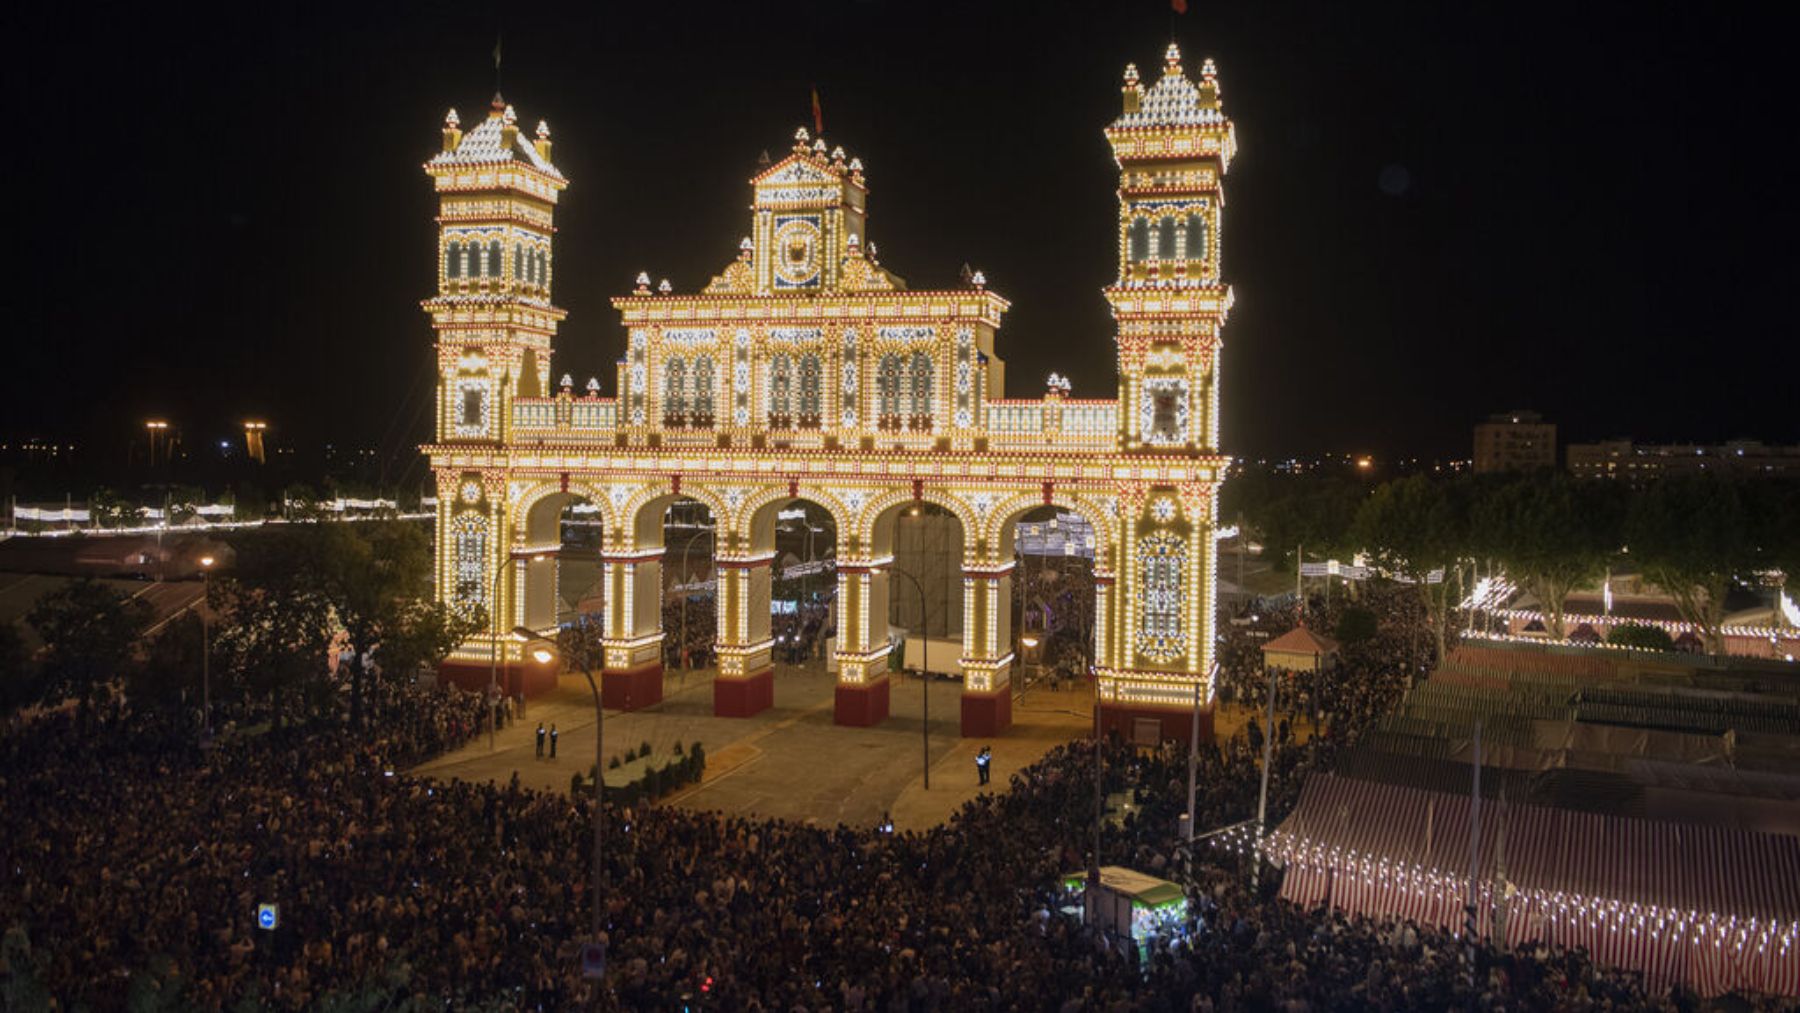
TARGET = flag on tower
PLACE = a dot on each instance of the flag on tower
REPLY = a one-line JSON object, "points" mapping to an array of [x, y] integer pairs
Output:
{"points": [[496, 52], [1179, 6], [818, 113]]}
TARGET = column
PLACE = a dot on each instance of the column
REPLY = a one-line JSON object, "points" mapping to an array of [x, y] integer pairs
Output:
{"points": [[746, 681], [987, 659], [632, 678], [862, 644]]}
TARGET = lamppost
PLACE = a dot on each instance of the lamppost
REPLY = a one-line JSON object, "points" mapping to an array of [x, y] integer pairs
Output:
{"points": [[1030, 643], [206, 565], [924, 674], [685, 547], [544, 652], [493, 690]]}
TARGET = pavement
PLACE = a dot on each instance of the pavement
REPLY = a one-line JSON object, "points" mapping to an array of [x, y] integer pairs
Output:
{"points": [[791, 761]]}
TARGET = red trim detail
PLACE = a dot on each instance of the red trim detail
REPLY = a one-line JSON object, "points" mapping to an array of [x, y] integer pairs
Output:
{"points": [[675, 484], [565, 481], [986, 714], [918, 489], [861, 705], [741, 698], [632, 688], [1177, 723], [1049, 492]]}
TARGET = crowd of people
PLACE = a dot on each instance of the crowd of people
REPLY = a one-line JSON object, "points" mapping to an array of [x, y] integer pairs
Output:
{"points": [[135, 862]]}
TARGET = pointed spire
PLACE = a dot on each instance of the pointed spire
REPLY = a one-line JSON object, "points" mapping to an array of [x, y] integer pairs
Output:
{"points": [[568, 382], [663, 287], [819, 147], [1172, 61], [497, 105], [593, 386], [451, 120], [1208, 71], [762, 158], [452, 131], [745, 248], [800, 139], [643, 283], [978, 280], [543, 130], [510, 116], [1131, 78]]}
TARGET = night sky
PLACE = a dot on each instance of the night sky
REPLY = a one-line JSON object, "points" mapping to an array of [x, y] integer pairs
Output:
{"points": [[1439, 210]]}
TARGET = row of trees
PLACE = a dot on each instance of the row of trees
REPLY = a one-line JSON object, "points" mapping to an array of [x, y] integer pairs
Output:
{"points": [[1694, 536], [293, 594]]}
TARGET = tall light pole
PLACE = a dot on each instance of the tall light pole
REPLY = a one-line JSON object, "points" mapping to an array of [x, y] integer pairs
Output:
{"points": [[925, 673], [493, 690], [685, 546], [206, 565], [543, 651]]}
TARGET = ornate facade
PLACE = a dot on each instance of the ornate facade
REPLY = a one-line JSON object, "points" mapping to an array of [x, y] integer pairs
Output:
{"points": [[807, 370]]}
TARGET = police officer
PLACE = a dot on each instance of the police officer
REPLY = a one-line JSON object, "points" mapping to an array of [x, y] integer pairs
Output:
{"points": [[982, 760], [553, 740], [540, 740]]}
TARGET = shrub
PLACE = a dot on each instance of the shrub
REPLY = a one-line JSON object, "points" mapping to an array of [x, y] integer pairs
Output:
{"points": [[677, 747], [699, 758], [630, 755], [614, 765], [1644, 638], [653, 783], [644, 750], [575, 783]]}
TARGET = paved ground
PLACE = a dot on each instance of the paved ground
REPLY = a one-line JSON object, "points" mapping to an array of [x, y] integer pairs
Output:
{"points": [[790, 761]]}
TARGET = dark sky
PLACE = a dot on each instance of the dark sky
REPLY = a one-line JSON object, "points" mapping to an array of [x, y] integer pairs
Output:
{"points": [[1438, 210]]}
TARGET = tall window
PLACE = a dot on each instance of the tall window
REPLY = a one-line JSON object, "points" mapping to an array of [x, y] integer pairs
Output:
{"points": [[1139, 240], [1161, 557], [543, 268], [781, 391], [811, 406], [890, 382], [1196, 236], [922, 377], [1165, 238], [703, 391], [471, 406], [453, 255], [494, 259], [518, 271], [469, 540], [675, 392]]}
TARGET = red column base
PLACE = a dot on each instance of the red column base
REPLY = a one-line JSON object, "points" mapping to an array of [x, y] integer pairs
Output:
{"points": [[1122, 720], [531, 679], [986, 714], [742, 697], [861, 705], [632, 688]]}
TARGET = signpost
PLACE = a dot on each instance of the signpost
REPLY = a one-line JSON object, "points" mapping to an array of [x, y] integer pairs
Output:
{"points": [[268, 916], [593, 960]]}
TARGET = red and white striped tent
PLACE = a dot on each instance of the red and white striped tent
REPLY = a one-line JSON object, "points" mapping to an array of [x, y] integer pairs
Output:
{"points": [[1712, 907]]}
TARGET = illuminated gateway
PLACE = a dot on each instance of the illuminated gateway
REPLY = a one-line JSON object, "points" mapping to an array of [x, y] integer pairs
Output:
{"points": [[807, 371]]}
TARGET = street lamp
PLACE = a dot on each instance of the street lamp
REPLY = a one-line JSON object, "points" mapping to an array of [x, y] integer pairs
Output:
{"points": [[206, 565], [925, 673], [544, 652], [1030, 643], [493, 690]]}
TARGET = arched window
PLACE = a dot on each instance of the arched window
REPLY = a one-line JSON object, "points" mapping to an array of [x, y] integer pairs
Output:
{"points": [[494, 259], [675, 392], [543, 268], [1196, 236], [781, 391], [518, 271], [1139, 240], [703, 391], [921, 377], [811, 408], [469, 548], [1161, 557], [1165, 238], [453, 255], [890, 382]]}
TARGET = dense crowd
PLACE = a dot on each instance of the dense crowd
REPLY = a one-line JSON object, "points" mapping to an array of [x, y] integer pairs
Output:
{"points": [[134, 864]]}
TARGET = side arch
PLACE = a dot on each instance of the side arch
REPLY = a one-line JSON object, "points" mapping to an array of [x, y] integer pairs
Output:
{"points": [[875, 529], [1002, 525]]}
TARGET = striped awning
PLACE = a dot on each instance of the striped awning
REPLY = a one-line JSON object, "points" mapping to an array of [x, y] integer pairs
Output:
{"points": [[1714, 907]]}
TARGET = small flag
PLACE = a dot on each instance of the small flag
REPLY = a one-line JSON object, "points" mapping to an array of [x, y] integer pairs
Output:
{"points": [[496, 52], [1179, 6], [818, 113]]}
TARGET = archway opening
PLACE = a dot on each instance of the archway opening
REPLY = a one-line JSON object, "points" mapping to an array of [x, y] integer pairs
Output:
{"points": [[1054, 601], [560, 549], [925, 597], [690, 586]]}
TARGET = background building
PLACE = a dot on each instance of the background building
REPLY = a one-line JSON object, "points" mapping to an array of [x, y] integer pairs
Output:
{"points": [[1515, 441], [1637, 462]]}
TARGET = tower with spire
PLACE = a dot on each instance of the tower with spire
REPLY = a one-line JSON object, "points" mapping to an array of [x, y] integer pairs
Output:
{"points": [[1173, 145], [497, 190]]}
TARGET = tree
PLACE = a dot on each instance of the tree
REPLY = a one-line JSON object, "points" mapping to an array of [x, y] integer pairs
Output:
{"points": [[89, 633], [275, 620], [1411, 527], [374, 573], [18, 677], [427, 632], [1552, 534], [1354, 626], [171, 663], [1693, 536], [107, 509]]}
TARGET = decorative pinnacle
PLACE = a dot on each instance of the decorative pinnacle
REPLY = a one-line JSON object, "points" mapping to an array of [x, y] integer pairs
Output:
{"points": [[663, 287], [856, 165], [593, 386], [1172, 60], [800, 139], [1208, 71], [745, 248], [1131, 75], [837, 154], [510, 116], [451, 120], [543, 130], [819, 147], [498, 104], [643, 283], [854, 242], [567, 381], [978, 280]]}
